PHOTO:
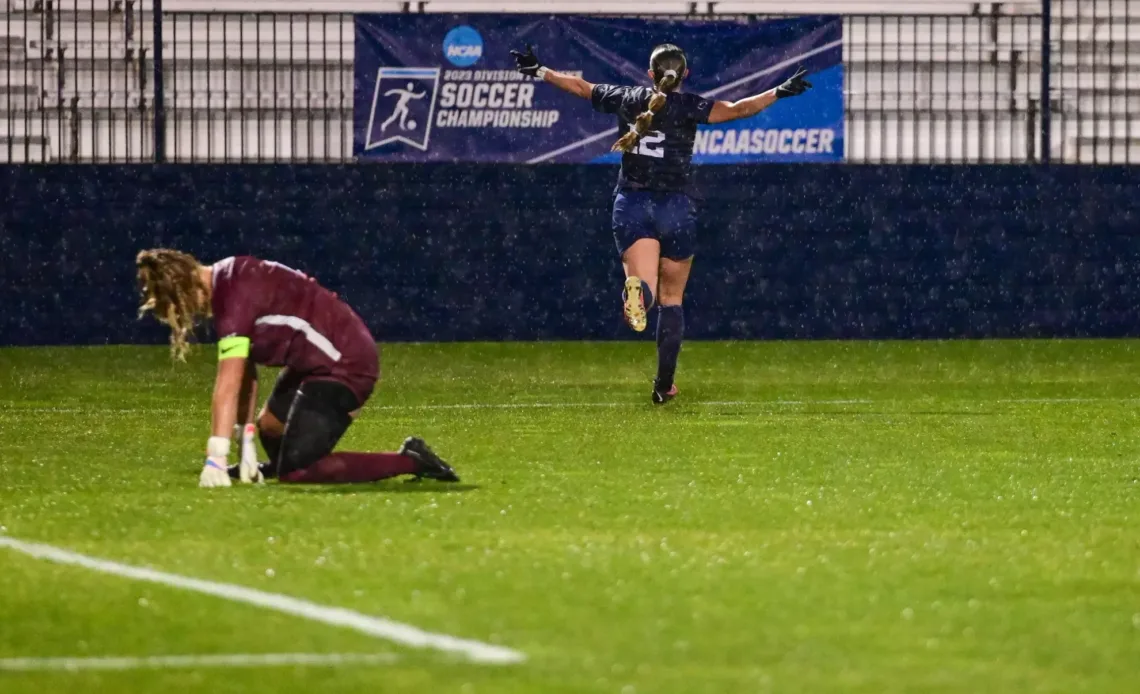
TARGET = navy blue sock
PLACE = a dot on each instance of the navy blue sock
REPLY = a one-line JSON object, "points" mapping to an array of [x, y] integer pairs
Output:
{"points": [[646, 295], [670, 333]]}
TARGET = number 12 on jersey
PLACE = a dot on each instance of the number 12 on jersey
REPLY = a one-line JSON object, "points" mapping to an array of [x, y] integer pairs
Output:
{"points": [[651, 145]]}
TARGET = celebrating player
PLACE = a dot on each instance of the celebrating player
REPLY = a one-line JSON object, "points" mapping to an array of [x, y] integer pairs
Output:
{"points": [[653, 216], [269, 314]]}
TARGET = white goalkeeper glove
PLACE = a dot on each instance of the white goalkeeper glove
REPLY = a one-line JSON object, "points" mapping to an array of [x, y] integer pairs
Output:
{"points": [[215, 472], [249, 471]]}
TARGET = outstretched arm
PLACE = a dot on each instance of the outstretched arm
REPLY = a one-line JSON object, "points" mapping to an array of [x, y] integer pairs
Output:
{"points": [[528, 64], [723, 111], [568, 83]]}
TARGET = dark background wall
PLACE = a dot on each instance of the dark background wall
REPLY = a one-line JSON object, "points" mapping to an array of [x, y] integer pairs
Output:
{"points": [[451, 252]]}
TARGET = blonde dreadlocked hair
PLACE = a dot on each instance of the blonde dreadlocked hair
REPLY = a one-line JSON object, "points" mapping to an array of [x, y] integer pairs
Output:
{"points": [[173, 290], [668, 64]]}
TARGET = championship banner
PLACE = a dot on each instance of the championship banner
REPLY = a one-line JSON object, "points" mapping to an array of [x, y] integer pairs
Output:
{"points": [[443, 88]]}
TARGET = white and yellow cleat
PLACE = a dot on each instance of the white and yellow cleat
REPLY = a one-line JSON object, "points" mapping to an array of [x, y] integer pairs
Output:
{"points": [[634, 305]]}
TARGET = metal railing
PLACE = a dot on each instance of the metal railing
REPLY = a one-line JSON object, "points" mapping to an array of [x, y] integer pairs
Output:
{"points": [[105, 80], [1094, 77], [66, 93], [943, 88], [258, 87]]}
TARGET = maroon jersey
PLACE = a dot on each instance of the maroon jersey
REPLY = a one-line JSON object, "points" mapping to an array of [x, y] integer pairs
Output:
{"points": [[294, 322]]}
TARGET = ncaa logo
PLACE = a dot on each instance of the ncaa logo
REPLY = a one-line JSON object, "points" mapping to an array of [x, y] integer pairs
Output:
{"points": [[463, 46]]}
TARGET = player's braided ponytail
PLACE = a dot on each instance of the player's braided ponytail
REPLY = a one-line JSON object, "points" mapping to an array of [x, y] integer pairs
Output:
{"points": [[172, 289], [668, 65]]}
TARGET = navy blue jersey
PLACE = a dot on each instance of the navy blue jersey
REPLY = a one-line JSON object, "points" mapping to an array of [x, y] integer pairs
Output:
{"points": [[662, 160]]}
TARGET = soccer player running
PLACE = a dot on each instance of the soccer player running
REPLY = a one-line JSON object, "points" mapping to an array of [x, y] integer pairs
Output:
{"points": [[266, 313], [653, 216]]}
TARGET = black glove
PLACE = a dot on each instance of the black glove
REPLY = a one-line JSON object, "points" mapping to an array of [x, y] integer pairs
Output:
{"points": [[795, 86], [527, 63]]}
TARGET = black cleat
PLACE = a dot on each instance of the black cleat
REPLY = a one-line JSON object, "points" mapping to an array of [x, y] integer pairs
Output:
{"points": [[268, 471], [660, 397], [428, 464]]}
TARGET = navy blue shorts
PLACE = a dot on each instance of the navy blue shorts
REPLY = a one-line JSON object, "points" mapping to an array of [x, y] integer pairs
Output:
{"points": [[667, 217]]}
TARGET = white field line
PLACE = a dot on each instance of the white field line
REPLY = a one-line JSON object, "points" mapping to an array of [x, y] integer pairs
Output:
{"points": [[586, 405], [573, 405], [1060, 401], [457, 406], [378, 627], [162, 662], [460, 406]]}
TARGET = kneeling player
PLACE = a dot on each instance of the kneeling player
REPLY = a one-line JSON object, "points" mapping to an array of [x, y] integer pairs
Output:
{"points": [[266, 313]]}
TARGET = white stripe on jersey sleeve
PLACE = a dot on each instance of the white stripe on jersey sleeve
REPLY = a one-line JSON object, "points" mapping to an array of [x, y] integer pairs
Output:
{"points": [[302, 326]]}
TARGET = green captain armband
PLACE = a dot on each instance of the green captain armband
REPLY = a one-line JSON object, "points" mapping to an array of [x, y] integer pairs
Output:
{"points": [[233, 346]]}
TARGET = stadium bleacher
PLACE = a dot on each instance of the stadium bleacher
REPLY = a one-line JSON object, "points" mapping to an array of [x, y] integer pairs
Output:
{"points": [[927, 80]]}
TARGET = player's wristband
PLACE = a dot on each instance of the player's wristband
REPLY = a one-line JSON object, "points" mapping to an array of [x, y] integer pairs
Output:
{"points": [[218, 447], [540, 73]]}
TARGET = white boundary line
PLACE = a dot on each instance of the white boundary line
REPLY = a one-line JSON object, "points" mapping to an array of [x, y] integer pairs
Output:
{"points": [[161, 662], [4, 409], [712, 92], [574, 405], [378, 627], [467, 406]]}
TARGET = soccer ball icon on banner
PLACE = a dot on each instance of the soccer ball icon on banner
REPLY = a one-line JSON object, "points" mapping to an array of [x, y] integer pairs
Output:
{"points": [[401, 112], [403, 104]]}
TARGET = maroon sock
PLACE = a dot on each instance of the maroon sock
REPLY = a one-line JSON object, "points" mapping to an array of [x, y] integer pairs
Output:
{"points": [[341, 468]]}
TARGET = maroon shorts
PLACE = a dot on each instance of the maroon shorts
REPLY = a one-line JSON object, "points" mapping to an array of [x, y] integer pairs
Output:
{"points": [[359, 365], [358, 370]]}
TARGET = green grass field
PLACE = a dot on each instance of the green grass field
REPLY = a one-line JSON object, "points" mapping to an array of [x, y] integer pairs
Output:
{"points": [[807, 517]]}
